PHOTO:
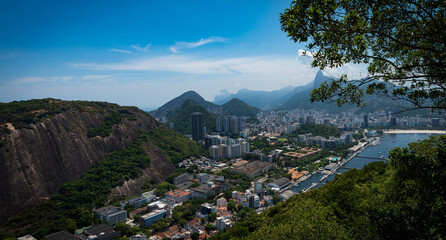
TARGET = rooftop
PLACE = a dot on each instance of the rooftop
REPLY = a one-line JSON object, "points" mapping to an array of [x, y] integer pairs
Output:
{"points": [[62, 235], [240, 163], [287, 194], [108, 210], [153, 213], [281, 182], [252, 167], [304, 152], [101, 230], [177, 193]]}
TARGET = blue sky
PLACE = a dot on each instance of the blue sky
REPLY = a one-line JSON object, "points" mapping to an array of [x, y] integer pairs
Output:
{"points": [[144, 53]]}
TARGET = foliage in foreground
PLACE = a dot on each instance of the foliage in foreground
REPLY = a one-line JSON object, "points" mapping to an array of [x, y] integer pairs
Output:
{"points": [[403, 199], [401, 41]]}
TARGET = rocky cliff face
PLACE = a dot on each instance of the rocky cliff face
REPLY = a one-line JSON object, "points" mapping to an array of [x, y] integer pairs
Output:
{"points": [[160, 168], [36, 161]]}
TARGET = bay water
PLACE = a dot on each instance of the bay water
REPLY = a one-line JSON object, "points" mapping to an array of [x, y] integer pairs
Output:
{"points": [[380, 151]]}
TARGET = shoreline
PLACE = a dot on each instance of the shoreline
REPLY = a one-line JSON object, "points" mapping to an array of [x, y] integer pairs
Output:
{"points": [[415, 131]]}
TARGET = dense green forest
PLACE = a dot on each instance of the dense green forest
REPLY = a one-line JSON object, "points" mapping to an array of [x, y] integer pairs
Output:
{"points": [[174, 145], [401, 199], [183, 121], [239, 108], [71, 208], [317, 130], [23, 113], [107, 126]]}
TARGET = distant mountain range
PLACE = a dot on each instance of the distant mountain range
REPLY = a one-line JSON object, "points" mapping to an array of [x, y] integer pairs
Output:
{"points": [[234, 106], [299, 97], [182, 120], [177, 102], [270, 99], [247, 102]]}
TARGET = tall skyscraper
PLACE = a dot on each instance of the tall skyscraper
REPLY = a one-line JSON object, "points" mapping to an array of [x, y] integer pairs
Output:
{"points": [[226, 125], [393, 121], [301, 121], [309, 120], [234, 125], [218, 122], [435, 122], [240, 123], [258, 187], [366, 120], [197, 126]]}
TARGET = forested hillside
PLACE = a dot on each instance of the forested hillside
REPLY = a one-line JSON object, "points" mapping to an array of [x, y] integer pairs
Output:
{"points": [[174, 104], [182, 120], [71, 208], [66, 156], [237, 107]]}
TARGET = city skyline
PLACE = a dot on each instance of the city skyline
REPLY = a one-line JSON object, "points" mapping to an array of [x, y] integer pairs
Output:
{"points": [[146, 53]]}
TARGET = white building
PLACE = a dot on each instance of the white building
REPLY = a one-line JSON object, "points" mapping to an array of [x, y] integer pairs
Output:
{"points": [[223, 223], [221, 202]]}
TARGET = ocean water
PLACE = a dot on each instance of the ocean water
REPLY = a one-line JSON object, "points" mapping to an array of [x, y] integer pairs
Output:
{"points": [[387, 142]]}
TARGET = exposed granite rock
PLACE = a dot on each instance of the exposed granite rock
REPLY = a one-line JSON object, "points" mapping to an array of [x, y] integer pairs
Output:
{"points": [[36, 161], [160, 168]]}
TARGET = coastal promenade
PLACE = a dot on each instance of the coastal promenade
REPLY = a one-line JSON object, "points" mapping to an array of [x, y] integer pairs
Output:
{"points": [[415, 131]]}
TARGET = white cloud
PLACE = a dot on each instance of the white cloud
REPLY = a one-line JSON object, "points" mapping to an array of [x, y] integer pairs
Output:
{"points": [[272, 67], [120, 51], [187, 45], [32, 80], [305, 53], [28, 80], [189, 65], [141, 49], [96, 77]]}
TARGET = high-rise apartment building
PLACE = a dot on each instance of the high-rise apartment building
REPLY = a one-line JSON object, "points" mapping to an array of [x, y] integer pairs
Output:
{"points": [[226, 125], [197, 126], [218, 122], [366, 120]]}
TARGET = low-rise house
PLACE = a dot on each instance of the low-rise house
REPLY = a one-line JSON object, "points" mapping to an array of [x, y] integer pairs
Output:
{"points": [[151, 217], [61, 235], [269, 200], [286, 195], [206, 190], [223, 223], [206, 209], [26, 237], [178, 195], [194, 225], [111, 214], [331, 166], [221, 202], [102, 232], [139, 236], [253, 169], [138, 202], [182, 178]]}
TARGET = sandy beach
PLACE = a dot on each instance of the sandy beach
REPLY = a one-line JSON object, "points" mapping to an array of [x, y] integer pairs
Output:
{"points": [[415, 131]]}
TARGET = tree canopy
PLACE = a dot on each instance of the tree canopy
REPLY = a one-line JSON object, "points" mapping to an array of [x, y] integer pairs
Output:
{"points": [[401, 41]]}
